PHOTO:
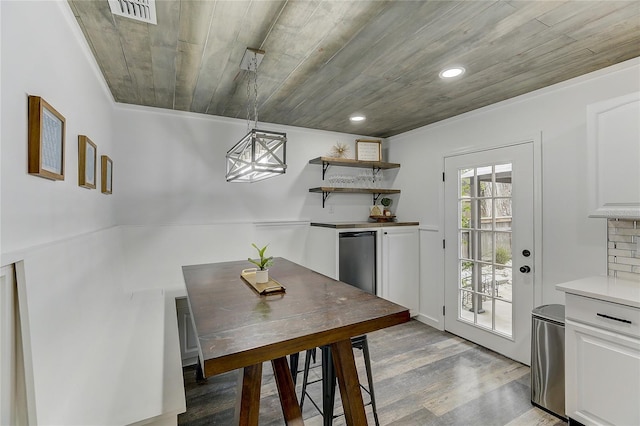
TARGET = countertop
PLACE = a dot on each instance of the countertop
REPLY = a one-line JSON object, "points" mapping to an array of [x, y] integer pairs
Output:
{"points": [[605, 288], [346, 225]]}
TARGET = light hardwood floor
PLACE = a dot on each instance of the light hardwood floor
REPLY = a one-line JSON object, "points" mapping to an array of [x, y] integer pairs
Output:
{"points": [[422, 376]]}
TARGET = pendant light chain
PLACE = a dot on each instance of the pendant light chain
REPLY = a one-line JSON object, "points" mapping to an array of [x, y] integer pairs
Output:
{"points": [[253, 65], [248, 105], [255, 89]]}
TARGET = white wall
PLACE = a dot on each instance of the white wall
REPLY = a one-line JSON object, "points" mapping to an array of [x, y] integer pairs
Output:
{"points": [[155, 254], [62, 234], [170, 169], [176, 208], [1, 85], [573, 245], [43, 54]]}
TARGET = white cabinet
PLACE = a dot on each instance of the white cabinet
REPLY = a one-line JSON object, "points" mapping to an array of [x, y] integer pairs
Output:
{"points": [[613, 149], [186, 333], [397, 258], [321, 251], [602, 362], [400, 270]]}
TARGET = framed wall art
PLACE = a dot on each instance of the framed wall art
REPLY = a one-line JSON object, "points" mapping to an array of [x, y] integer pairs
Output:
{"points": [[107, 174], [368, 150], [46, 140], [86, 162]]}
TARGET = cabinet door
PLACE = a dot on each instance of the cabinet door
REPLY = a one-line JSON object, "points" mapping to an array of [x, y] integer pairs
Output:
{"points": [[186, 334], [613, 148], [321, 251], [401, 267], [602, 376]]}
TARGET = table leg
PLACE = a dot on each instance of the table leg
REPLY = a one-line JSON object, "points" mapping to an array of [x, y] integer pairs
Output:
{"points": [[200, 379], [328, 386], [248, 396], [349, 383], [287, 392]]}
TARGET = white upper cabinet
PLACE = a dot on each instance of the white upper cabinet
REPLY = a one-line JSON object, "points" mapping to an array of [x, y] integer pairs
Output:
{"points": [[613, 172]]}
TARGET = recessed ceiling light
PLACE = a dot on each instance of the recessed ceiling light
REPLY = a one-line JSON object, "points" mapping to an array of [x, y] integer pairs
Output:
{"points": [[357, 118], [451, 72]]}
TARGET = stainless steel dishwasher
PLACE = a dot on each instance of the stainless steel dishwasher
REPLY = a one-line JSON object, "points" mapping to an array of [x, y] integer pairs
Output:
{"points": [[547, 359], [357, 259]]}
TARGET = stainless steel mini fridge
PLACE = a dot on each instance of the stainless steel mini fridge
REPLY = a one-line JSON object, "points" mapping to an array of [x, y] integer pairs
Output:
{"points": [[357, 259], [547, 359]]}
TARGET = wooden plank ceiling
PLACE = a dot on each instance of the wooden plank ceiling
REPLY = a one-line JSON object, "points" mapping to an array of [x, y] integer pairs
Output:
{"points": [[325, 60]]}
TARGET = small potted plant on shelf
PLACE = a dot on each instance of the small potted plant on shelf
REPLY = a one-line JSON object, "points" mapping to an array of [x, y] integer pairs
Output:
{"points": [[386, 202], [263, 263]]}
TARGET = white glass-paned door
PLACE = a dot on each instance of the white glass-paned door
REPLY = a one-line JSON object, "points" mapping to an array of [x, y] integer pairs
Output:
{"points": [[488, 227]]}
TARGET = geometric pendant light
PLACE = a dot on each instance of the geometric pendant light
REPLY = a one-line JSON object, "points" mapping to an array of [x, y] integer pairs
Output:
{"points": [[260, 154]]}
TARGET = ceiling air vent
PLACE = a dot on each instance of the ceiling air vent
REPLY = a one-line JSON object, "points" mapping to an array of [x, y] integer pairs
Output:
{"points": [[140, 10]]}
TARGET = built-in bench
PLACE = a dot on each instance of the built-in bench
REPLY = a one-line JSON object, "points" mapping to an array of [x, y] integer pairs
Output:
{"points": [[95, 353]]}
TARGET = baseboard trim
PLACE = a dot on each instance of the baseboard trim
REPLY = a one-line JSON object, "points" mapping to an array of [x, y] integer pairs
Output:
{"points": [[433, 322]]}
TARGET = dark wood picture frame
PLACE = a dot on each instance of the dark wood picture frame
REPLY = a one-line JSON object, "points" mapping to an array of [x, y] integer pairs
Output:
{"points": [[46, 140], [107, 174], [87, 155], [368, 150]]}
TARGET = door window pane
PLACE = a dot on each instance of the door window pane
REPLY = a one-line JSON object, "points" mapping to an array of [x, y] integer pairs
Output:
{"points": [[465, 214], [465, 237], [484, 248], [487, 284], [466, 275], [503, 213], [485, 186], [503, 317], [466, 302], [486, 213], [484, 318], [465, 182], [503, 249], [503, 287]]}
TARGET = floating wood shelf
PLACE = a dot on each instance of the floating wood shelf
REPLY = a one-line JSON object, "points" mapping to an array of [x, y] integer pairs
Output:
{"points": [[376, 192], [325, 162], [346, 162]]}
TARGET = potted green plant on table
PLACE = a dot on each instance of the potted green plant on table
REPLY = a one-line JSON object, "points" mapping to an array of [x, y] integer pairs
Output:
{"points": [[263, 263]]}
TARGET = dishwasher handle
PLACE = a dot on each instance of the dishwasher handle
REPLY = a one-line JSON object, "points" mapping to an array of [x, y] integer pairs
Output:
{"points": [[357, 234]]}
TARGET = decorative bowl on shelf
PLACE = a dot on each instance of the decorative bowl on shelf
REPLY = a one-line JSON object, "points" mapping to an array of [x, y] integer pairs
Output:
{"points": [[382, 218]]}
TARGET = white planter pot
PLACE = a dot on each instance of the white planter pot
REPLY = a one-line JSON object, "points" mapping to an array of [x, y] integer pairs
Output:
{"points": [[262, 276]]}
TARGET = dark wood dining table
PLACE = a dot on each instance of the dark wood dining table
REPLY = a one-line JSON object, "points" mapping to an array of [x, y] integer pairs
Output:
{"points": [[237, 328]]}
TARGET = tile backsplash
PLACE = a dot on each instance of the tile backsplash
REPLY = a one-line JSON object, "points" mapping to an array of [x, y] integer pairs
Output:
{"points": [[623, 248]]}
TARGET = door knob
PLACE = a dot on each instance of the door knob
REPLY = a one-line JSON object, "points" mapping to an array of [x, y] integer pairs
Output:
{"points": [[525, 269]]}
